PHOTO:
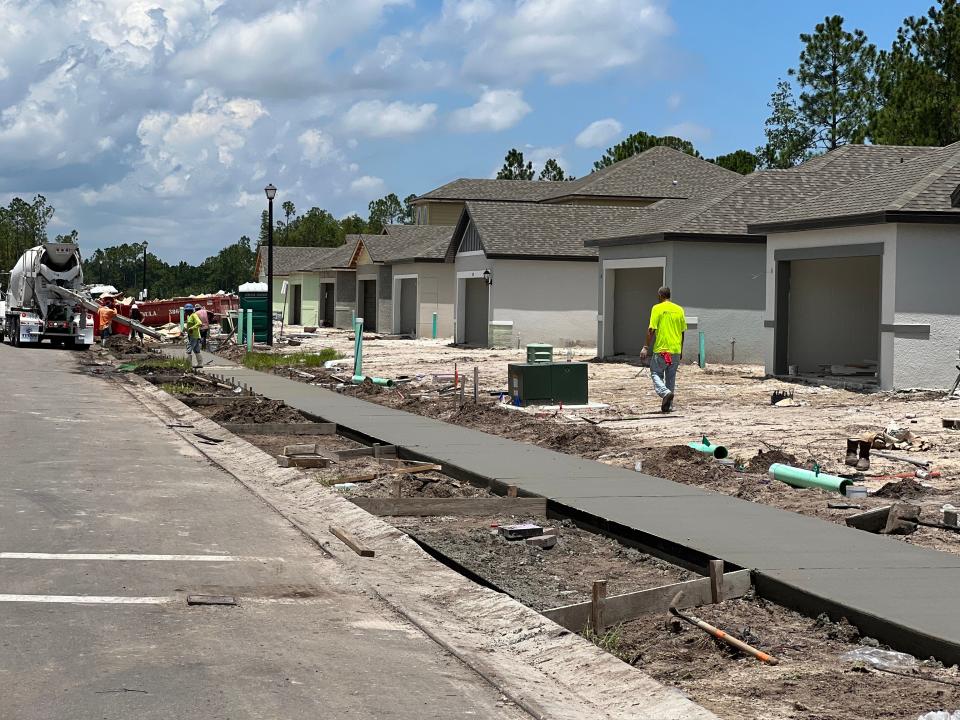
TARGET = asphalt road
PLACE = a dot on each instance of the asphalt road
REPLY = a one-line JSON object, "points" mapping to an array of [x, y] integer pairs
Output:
{"points": [[108, 520]]}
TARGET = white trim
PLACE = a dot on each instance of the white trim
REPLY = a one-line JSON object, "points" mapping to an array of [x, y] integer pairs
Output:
{"points": [[464, 274], [412, 276], [468, 253], [88, 599], [645, 262], [131, 556]]}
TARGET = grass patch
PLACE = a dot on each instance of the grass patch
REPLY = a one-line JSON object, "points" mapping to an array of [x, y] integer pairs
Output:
{"points": [[265, 361], [611, 641], [177, 388], [181, 364]]}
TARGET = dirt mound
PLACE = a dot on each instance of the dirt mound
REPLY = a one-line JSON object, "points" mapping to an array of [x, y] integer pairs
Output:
{"points": [[761, 462], [683, 464], [576, 439], [906, 489], [264, 411], [123, 345]]}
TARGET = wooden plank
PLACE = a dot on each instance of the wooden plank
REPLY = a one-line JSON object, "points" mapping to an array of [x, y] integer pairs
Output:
{"points": [[410, 470], [281, 428], [629, 606], [385, 451], [426, 507], [303, 461], [597, 602], [716, 580], [351, 541]]}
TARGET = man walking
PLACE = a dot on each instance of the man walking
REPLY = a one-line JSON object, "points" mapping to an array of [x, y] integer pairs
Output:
{"points": [[193, 335], [665, 334]]}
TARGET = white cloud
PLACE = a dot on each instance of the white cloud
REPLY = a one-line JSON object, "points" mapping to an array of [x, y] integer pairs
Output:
{"points": [[689, 131], [565, 40], [495, 110], [539, 156], [367, 185], [599, 133], [674, 100], [317, 146], [379, 119]]}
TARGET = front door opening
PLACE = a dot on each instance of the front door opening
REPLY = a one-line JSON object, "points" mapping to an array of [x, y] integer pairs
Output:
{"points": [[327, 304], [368, 304], [296, 315], [408, 307], [476, 301], [634, 294]]}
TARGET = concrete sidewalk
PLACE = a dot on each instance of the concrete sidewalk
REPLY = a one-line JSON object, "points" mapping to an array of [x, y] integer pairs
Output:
{"points": [[108, 520], [893, 591]]}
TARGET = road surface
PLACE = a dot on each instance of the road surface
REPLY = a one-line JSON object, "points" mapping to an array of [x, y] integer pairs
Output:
{"points": [[108, 520]]}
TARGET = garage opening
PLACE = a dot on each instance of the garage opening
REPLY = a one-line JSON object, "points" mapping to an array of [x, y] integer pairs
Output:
{"points": [[828, 317], [408, 306], [296, 314], [634, 294], [476, 301], [327, 304], [368, 304]]}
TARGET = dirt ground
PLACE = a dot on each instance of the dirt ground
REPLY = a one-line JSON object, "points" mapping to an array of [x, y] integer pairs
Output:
{"points": [[729, 404], [811, 683]]}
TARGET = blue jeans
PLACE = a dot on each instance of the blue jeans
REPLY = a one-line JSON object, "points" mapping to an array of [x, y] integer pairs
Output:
{"points": [[664, 376], [193, 346]]}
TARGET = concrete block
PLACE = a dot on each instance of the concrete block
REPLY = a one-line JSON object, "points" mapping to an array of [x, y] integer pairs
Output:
{"points": [[544, 542], [521, 531]]}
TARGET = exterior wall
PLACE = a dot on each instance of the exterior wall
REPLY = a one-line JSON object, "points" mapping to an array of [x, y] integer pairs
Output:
{"points": [[926, 259], [829, 237], [436, 285], [551, 301], [346, 297], [722, 286], [309, 300], [440, 213]]}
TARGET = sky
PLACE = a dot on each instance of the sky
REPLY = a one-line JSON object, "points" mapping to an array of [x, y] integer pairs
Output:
{"points": [[163, 120]]}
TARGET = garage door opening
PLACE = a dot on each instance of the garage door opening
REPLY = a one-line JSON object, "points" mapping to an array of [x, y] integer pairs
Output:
{"points": [[476, 304], [368, 304], [634, 294], [828, 317], [408, 307], [327, 304]]}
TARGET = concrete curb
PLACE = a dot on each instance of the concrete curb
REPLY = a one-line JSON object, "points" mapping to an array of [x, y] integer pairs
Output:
{"points": [[540, 666]]}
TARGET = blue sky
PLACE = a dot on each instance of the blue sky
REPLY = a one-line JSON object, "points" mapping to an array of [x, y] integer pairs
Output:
{"points": [[162, 120]]}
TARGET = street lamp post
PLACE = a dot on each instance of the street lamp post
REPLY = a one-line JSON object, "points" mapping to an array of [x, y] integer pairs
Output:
{"points": [[144, 269], [271, 192]]}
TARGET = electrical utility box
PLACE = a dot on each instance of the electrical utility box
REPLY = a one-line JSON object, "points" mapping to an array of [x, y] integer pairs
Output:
{"points": [[547, 383]]}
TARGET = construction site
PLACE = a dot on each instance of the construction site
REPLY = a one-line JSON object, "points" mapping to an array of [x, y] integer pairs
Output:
{"points": [[633, 591]]}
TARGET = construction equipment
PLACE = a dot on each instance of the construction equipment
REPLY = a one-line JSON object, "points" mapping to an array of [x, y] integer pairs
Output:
{"points": [[720, 634], [35, 311], [90, 305]]}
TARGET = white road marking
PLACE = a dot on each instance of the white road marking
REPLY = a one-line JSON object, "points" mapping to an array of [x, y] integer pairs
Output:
{"points": [[88, 599], [133, 556]]}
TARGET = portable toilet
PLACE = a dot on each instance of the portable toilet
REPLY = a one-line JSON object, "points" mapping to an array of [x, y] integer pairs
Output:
{"points": [[253, 296]]}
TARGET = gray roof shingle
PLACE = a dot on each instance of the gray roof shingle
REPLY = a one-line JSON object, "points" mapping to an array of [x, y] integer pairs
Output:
{"points": [[538, 230], [338, 257], [921, 184], [291, 259], [659, 172], [418, 242]]}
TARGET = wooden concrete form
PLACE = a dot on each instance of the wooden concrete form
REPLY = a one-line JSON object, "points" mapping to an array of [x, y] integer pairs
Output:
{"points": [[386, 451], [218, 400], [323, 428], [465, 507], [303, 461], [629, 606]]}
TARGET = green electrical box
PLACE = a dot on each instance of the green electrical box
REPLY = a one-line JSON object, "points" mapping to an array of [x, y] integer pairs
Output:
{"points": [[257, 301], [547, 383], [569, 383]]}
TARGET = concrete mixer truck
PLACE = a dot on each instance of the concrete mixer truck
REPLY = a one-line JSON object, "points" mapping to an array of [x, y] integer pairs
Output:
{"points": [[42, 300]]}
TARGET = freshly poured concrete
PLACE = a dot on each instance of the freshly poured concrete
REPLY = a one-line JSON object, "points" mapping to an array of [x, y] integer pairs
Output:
{"points": [[903, 595]]}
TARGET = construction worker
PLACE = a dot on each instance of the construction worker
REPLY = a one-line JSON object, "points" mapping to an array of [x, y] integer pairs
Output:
{"points": [[105, 316], [137, 316], [204, 325], [665, 332], [193, 335]]}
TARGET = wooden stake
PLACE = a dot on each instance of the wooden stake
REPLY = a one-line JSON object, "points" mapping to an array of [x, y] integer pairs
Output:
{"points": [[351, 541], [596, 605], [511, 490], [716, 580], [398, 488], [476, 384]]}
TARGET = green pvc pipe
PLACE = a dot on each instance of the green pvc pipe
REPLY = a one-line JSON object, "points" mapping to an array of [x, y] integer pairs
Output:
{"points": [[434, 326], [358, 379], [250, 330], [703, 349], [798, 477], [358, 347], [239, 327], [718, 451], [181, 319]]}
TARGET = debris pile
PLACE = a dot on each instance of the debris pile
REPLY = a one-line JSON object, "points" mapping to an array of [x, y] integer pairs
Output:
{"points": [[263, 411]]}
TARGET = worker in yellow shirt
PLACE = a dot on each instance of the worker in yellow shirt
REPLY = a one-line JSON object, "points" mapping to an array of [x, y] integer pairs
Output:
{"points": [[193, 325], [668, 324]]}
